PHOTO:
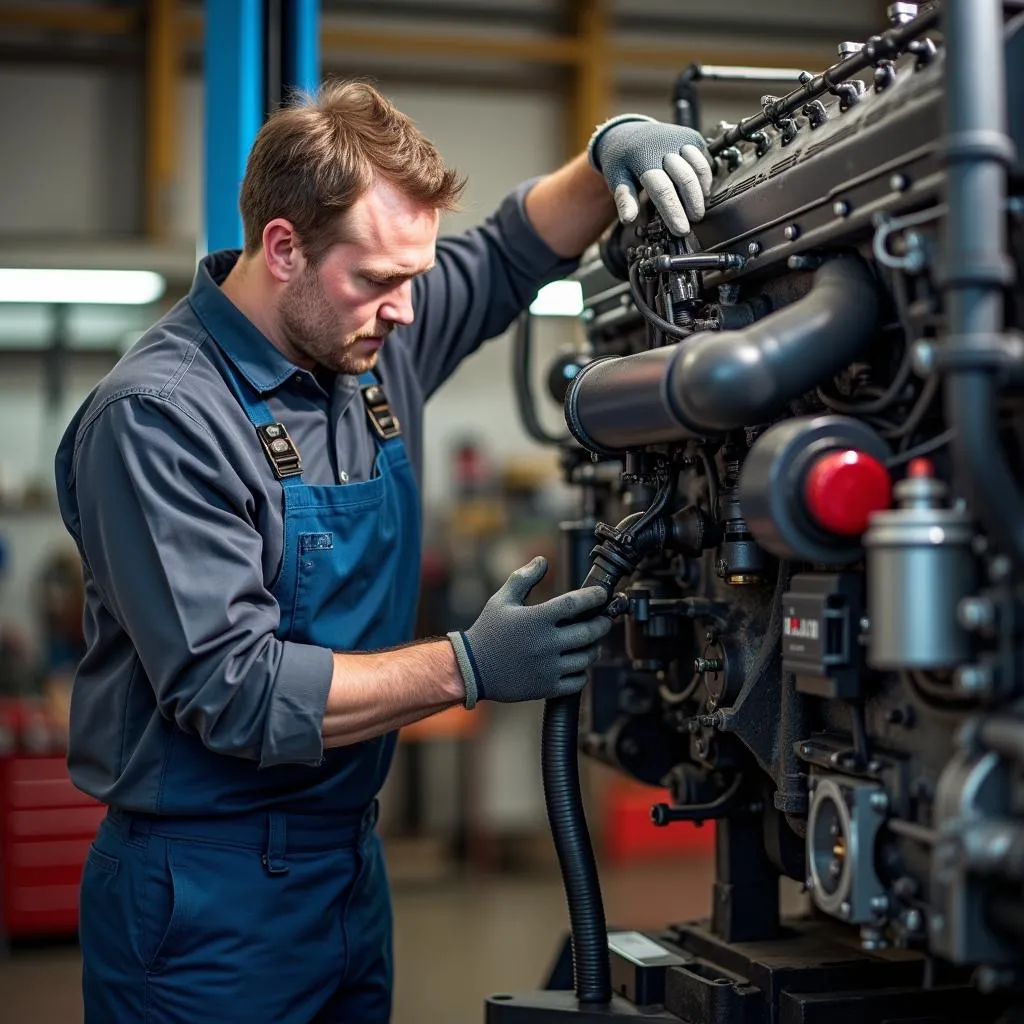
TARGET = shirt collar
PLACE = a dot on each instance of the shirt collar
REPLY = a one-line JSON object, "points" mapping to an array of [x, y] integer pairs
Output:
{"points": [[262, 364]]}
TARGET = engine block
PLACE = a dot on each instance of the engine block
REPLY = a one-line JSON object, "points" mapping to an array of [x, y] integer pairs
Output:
{"points": [[797, 437]]}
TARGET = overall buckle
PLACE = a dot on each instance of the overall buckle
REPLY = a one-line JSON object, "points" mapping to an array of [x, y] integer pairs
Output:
{"points": [[383, 420], [281, 451]]}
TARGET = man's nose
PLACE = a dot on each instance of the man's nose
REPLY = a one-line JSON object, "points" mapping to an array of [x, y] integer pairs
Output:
{"points": [[397, 308]]}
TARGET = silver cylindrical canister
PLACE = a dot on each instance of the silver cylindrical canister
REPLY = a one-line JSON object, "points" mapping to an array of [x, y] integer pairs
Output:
{"points": [[919, 567]]}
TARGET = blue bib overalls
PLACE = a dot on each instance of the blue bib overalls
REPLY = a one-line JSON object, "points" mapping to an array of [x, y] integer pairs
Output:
{"points": [[275, 907]]}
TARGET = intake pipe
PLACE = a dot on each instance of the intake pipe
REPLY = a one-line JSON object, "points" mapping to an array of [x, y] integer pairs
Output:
{"points": [[718, 381], [978, 269]]}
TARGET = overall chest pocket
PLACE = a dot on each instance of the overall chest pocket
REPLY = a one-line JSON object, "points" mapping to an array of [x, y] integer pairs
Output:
{"points": [[340, 589]]}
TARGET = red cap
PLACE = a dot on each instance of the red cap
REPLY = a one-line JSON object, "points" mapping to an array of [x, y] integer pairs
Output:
{"points": [[843, 488], [920, 468]]}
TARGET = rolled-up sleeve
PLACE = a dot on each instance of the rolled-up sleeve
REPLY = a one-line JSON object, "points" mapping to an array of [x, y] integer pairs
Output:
{"points": [[167, 530], [483, 279]]}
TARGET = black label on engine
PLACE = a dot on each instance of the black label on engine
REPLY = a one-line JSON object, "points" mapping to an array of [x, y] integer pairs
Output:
{"points": [[821, 614]]}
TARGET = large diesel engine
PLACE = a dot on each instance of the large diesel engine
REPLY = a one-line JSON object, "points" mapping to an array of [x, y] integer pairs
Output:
{"points": [[797, 436]]}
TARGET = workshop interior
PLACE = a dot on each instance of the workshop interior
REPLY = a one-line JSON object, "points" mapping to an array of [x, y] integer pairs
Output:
{"points": [[789, 446]]}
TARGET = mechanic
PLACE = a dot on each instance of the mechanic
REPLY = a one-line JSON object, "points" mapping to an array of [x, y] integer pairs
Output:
{"points": [[243, 491]]}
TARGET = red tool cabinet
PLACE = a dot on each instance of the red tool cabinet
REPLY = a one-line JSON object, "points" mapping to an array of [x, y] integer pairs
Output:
{"points": [[46, 826]]}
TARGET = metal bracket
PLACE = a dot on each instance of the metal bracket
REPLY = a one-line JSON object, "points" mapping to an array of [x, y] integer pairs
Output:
{"points": [[280, 450], [378, 410]]}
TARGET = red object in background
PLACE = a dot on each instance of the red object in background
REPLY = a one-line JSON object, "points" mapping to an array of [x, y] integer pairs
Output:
{"points": [[630, 834], [46, 828], [844, 488]]}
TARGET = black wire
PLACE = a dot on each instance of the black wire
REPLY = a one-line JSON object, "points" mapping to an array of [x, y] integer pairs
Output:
{"points": [[859, 732], [925, 448], [880, 404], [711, 472], [938, 696], [917, 413], [890, 394], [653, 318]]}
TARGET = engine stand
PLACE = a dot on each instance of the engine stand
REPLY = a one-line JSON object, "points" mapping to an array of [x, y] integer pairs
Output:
{"points": [[813, 973]]}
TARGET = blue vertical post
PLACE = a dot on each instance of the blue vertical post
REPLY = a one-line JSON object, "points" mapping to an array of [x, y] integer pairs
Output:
{"points": [[234, 109], [301, 58]]}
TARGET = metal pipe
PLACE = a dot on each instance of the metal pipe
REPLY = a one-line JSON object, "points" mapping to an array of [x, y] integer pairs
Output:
{"points": [[886, 46], [724, 380], [1003, 735], [977, 267]]}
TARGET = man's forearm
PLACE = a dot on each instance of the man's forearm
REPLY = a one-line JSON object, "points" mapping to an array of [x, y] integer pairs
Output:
{"points": [[570, 208], [371, 694]]}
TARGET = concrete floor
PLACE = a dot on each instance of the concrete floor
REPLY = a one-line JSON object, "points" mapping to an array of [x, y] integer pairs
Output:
{"points": [[455, 941]]}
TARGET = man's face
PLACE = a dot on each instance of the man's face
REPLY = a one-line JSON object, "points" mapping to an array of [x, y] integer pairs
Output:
{"points": [[339, 312]]}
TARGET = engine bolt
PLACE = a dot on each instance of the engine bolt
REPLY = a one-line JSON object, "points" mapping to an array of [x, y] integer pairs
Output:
{"points": [[792, 232], [973, 679], [913, 920], [925, 359], [999, 568], [901, 13], [835, 867], [834, 830], [899, 183], [841, 208], [754, 249], [845, 910], [880, 801], [702, 665], [880, 904], [849, 49], [976, 613]]}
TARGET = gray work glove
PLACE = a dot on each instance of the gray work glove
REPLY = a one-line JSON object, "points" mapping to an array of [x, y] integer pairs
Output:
{"points": [[671, 162], [517, 652]]}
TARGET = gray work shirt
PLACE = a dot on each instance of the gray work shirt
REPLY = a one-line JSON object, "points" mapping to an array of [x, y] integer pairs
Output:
{"points": [[177, 515]]}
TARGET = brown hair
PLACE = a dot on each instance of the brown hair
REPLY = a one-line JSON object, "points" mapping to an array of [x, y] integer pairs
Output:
{"points": [[312, 161]]}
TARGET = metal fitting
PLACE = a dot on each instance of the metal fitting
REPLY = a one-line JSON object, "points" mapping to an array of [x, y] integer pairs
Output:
{"points": [[848, 49], [976, 613], [973, 680], [900, 13]]}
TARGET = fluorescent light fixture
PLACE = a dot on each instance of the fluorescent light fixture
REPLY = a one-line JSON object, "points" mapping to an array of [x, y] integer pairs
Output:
{"points": [[106, 287], [560, 298]]}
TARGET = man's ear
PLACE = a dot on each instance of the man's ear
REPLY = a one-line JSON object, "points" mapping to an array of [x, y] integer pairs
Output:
{"points": [[281, 250]]}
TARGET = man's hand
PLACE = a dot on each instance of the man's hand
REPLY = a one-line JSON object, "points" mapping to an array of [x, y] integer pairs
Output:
{"points": [[517, 652], [669, 161]]}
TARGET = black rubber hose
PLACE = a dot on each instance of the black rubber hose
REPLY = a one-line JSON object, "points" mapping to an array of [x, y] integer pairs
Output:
{"points": [[718, 381], [562, 797], [561, 772]]}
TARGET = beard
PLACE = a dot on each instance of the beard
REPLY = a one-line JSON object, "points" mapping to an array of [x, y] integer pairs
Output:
{"points": [[310, 326]]}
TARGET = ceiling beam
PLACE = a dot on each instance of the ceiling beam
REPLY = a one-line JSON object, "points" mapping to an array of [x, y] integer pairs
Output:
{"points": [[106, 21]]}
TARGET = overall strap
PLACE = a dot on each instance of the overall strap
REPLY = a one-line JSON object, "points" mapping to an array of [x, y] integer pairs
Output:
{"points": [[386, 428], [277, 444]]}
